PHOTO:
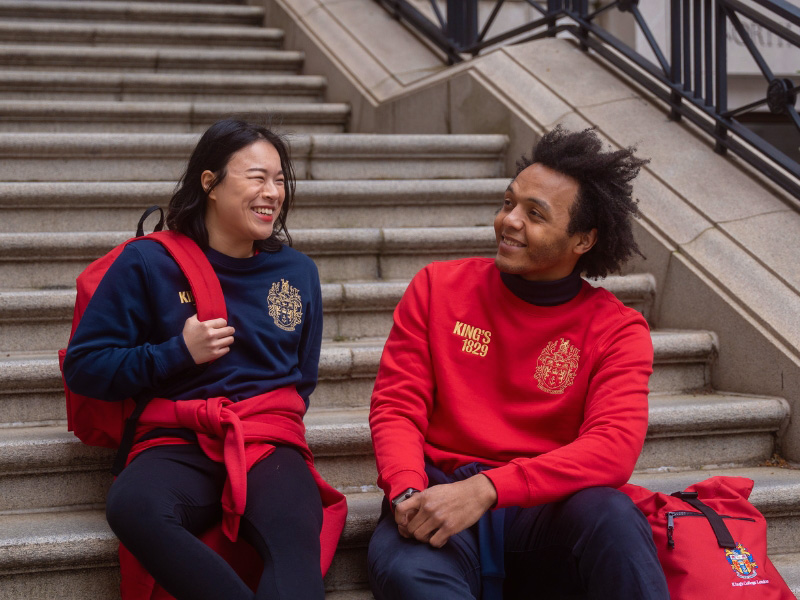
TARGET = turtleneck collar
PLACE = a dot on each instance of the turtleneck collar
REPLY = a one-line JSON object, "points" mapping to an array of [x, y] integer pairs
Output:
{"points": [[544, 293]]}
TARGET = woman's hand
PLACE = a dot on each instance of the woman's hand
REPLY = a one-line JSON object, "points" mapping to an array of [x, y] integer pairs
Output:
{"points": [[207, 340]]}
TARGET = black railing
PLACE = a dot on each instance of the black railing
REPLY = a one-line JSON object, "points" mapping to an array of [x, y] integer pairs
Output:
{"points": [[693, 80]]}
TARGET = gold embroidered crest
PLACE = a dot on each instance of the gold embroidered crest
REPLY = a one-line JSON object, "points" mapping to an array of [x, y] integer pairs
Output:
{"points": [[556, 367], [285, 305]]}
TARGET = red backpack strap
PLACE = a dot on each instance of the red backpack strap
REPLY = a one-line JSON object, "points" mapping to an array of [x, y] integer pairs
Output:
{"points": [[209, 301], [203, 280]]}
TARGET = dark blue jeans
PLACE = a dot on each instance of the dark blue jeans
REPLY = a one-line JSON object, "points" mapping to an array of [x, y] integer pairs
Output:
{"points": [[594, 545], [169, 495]]}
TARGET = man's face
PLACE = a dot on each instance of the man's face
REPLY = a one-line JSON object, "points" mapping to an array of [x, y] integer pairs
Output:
{"points": [[531, 227]]}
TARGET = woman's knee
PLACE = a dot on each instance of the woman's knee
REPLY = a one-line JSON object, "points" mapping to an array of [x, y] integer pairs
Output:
{"points": [[281, 489], [133, 508]]}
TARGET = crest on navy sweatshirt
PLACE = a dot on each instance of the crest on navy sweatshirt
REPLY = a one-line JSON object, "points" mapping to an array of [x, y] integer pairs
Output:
{"points": [[285, 305]]}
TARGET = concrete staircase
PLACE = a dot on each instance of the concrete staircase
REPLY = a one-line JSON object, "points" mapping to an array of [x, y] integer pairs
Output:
{"points": [[100, 105]]}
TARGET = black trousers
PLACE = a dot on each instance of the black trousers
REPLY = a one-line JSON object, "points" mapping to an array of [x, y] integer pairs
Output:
{"points": [[595, 544], [169, 495]]}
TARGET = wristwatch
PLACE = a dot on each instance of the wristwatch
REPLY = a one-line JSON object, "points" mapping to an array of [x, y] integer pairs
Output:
{"points": [[404, 496]]}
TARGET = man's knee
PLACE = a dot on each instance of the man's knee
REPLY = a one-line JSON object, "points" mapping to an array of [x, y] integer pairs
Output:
{"points": [[392, 573], [607, 521], [404, 568], [402, 572], [605, 508], [387, 562]]}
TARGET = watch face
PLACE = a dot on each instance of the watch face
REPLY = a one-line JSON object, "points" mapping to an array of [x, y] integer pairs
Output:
{"points": [[404, 496]]}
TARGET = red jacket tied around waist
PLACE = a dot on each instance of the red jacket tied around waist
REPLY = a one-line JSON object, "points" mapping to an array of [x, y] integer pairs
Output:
{"points": [[239, 434]]}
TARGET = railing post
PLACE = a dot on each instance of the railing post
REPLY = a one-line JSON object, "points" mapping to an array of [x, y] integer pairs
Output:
{"points": [[675, 29], [720, 22], [581, 8], [553, 7], [462, 22]]}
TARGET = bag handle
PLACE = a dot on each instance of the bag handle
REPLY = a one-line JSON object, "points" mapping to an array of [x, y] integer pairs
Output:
{"points": [[724, 537], [159, 226]]}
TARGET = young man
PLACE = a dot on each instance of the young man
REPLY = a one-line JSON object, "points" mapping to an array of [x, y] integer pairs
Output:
{"points": [[511, 401]]}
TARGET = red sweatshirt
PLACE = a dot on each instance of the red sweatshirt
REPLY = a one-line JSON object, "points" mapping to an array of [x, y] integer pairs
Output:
{"points": [[554, 397]]}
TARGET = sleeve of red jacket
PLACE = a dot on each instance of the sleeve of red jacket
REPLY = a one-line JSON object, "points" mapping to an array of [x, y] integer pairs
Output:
{"points": [[403, 394], [611, 437]]}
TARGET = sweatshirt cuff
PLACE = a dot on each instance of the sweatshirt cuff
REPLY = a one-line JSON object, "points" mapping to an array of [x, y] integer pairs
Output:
{"points": [[171, 357], [511, 485], [403, 480]]}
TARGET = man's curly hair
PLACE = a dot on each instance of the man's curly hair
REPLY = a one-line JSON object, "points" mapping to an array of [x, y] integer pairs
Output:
{"points": [[604, 199]]}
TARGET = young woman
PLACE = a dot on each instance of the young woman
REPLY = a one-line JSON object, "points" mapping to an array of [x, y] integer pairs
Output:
{"points": [[140, 337]]}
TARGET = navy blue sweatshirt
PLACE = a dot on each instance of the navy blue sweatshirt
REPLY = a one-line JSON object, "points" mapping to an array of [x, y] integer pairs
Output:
{"points": [[130, 342]]}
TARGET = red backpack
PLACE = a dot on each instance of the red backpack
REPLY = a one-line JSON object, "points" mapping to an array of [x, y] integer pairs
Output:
{"points": [[113, 424], [711, 541]]}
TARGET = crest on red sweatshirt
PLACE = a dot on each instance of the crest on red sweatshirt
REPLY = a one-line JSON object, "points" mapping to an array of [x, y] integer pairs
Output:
{"points": [[556, 366]]}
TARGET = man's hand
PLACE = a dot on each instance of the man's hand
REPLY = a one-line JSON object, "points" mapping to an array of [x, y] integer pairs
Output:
{"points": [[207, 340], [441, 511]]}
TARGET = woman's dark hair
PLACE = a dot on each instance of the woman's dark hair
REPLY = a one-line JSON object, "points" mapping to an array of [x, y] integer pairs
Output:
{"points": [[604, 199], [187, 208]]}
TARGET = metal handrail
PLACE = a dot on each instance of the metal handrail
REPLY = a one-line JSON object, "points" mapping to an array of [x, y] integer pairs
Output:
{"points": [[692, 80]]}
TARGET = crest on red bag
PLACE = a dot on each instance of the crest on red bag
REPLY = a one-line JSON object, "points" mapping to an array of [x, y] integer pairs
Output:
{"points": [[742, 562]]}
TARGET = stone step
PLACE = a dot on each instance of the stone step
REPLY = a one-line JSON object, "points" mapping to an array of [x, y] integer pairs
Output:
{"points": [[44, 467], [788, 566], [31, 390], [145, 34], [32, 321], [361, 594], [163, 117], [163, 157], [72, 555], [712, 430], [53, 260], [36, 320], [83, 85], [108, 206], [149, 60], [226, 2], [128, 12]]}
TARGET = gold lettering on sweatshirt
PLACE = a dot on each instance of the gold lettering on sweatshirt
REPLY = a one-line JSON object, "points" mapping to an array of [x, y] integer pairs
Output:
{"points": [[474, 339], [186, 297]]}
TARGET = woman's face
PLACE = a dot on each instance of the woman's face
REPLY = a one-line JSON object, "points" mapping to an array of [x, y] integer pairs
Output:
{"points": [[243, 207]]}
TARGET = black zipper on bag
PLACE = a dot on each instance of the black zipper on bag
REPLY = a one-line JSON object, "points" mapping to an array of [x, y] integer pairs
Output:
{"points": [[687, 513]]}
